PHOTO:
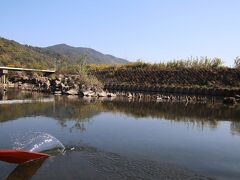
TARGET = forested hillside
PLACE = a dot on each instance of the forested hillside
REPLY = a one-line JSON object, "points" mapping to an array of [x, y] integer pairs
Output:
{"points": [[91, 56], [15, 54]]}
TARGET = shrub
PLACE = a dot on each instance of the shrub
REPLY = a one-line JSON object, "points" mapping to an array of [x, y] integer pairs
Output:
{"points": [[89, 80], [202, 62]]}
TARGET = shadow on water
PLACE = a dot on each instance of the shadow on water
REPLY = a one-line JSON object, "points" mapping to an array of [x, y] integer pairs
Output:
{"points": [[26, 170]]}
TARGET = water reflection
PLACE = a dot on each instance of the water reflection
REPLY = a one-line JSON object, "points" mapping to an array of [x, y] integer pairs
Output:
{"points": [[80, 110], [123, 138], [235, 127]]}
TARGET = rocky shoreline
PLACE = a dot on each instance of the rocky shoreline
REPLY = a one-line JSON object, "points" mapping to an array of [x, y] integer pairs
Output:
{"points": [[69, 85], [59, 85]]}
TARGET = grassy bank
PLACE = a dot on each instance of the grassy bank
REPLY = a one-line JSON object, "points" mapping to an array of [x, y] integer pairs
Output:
{"points": [[197, 76]]}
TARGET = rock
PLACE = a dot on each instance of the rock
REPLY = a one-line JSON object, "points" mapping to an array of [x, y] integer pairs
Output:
{"points": [[62, 85], [129, 95], [72, 92], [159, 98], [88, 93], [25, 78], [83, 87], [11, 85], [46, 85], [165, 97], [102, 94], [57, 82], [71, 83], [92, 95], [57, 92], [111, 95], [237, 96], [85, 93], [76, 86], [229, 100], [60, 77]]}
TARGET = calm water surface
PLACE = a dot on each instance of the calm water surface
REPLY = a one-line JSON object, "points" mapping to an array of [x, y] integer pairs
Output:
{"points": [[120, 139]]}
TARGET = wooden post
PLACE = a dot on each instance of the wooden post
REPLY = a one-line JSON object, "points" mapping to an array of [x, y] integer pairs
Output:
{"points": [[1, 76], [3, 79], [4, 82]]}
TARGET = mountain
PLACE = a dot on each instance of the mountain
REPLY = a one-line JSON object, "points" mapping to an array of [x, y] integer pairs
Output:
{"points": [[91, 56], [15, 54]]}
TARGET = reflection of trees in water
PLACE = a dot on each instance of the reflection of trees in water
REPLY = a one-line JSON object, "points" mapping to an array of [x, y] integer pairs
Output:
{"points": [[63, 109], [174, 111], [200, 124], [13, 111], [16, 94], [76, 109], [79, 111], [201, 115], [235, 127]]}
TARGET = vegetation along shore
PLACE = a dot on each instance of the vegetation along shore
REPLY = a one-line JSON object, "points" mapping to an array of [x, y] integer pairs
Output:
{"points": [[77, 73]]}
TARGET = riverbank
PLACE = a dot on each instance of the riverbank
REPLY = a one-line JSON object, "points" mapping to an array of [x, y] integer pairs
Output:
{"points": [[212, 81], [220, 82], [164, 85]]}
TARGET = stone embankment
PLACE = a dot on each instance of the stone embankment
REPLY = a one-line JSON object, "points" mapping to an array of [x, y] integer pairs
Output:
{"points": [[184, 85], [180, 77], [188, 82]]}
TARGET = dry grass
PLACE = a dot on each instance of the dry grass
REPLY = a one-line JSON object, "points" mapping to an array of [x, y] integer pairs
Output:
{"points": [[202, 62]]}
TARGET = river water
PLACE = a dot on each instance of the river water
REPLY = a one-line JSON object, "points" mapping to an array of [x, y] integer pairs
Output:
{"points": [[122, 139]]}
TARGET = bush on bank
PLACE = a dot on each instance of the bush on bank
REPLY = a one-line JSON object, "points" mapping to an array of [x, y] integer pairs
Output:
{"points": [[203, 62]]}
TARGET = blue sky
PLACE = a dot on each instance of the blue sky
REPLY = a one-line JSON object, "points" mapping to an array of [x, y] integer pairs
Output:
{"points": [[152, 30]]}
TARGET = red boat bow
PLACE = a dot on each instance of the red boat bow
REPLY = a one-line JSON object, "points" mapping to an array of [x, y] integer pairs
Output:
{"points": [[19, 156]]}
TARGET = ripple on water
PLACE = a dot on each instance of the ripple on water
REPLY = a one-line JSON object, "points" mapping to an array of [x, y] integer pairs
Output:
{"points": [[113, 166]]}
